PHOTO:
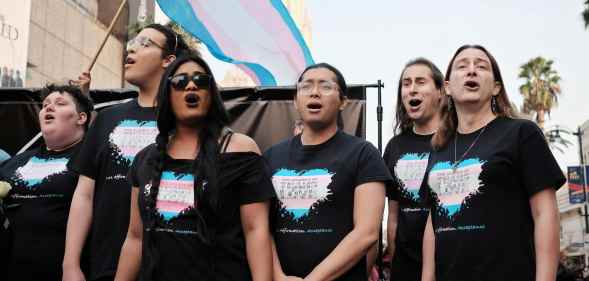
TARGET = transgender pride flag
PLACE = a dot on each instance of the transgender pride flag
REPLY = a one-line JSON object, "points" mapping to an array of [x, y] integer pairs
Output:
{"points": [[259, 36]]}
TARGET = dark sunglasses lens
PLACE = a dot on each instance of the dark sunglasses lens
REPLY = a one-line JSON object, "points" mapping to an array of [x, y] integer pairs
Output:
{"points": [[179, 81], [202, 81]]}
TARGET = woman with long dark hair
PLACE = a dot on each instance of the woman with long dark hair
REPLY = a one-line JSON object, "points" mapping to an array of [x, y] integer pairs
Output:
{"points": [[200, 199], [491, 183]]}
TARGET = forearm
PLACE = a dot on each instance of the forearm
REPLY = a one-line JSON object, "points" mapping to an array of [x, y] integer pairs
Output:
{"points": [[392, 219], [546, 243], [277, 272], [130, 259], [259, 254], [391, 236], [78, 226], [429, 243], [347, 253]]}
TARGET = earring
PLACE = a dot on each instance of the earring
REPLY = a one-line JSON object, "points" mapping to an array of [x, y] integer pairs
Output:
{"points": [[450, 104], [494, 106]]}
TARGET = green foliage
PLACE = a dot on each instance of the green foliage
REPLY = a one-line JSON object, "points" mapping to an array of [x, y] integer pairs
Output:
{"points": [[541, 87]]}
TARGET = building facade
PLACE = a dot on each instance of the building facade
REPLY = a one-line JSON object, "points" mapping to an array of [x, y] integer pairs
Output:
{"points": [[65, 34]]}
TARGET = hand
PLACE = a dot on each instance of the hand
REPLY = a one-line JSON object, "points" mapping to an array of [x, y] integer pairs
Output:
{"points": [[83, 82], [72, 273]]}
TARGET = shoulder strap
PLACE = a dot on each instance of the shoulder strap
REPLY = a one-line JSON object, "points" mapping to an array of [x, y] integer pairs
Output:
{"points": [[226, 139]]}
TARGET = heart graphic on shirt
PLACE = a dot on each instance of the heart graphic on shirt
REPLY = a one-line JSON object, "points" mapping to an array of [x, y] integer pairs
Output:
{"points": [[410, 170], [131, 136], [175, 194], [37, 169], [453, 185], [300, 190]]}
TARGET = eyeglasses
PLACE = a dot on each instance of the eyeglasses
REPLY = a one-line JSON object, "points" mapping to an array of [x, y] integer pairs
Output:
{"points": [[141, 42], [180, 81], [325, 88]]}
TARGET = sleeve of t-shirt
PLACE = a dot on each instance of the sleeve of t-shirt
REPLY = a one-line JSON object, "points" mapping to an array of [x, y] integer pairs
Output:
{"points": [[393, 188], [85, 160], [539, 169], [371, 167], [256, 185]]}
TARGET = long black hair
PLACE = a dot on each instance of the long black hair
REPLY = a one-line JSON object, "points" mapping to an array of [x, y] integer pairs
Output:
{"points": [[205, 164]]}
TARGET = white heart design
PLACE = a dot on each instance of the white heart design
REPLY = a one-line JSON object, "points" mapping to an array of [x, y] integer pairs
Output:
{"points": [[453, 185], [37, 169], [299, 190], [131, 136], [410, 170]]}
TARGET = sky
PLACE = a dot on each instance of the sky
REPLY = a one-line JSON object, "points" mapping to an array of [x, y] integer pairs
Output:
{"points": [[370, 40]]}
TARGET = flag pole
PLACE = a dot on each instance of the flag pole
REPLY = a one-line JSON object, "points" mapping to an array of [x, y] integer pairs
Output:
{"points": [[108, 32]]}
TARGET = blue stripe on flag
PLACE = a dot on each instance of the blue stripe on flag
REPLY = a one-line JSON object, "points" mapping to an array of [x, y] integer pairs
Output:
{"points": [[294, 29]]}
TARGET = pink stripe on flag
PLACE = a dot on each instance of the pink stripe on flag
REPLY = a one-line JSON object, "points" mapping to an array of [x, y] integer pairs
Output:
{"points": [[271, 21]]}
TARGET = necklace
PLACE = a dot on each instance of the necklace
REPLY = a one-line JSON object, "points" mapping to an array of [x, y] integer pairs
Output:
{"points": [[67, 146], [426, 134], [456, 162]]}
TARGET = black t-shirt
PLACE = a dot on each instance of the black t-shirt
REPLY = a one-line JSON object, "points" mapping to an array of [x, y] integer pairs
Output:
{"points": [[407, 155], [315, 186], [182, 254], [480, 207], [117, 134], [38, 208]]}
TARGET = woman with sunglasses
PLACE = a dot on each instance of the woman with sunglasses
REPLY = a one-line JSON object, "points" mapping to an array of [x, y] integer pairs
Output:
{"points": [[200, 199], [491, 183]]}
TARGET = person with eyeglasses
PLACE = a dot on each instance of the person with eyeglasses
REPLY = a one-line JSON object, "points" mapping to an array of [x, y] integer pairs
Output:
{"points": [[201, 196], [99, 214], [330, 188]]}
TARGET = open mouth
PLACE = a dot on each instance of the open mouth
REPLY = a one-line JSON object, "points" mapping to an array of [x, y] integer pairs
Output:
{"points": [[471, 85], [314, 106], [415, 102], [129, 61], [192, 99], [49, 117]]}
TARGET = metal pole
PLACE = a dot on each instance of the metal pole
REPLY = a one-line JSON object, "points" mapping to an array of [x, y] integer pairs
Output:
{"points": [[380, 85], [583, 171]]}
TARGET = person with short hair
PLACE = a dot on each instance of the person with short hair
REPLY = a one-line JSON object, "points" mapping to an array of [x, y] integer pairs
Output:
{"points": [[43, 186], [100, 207], [330, 186]]}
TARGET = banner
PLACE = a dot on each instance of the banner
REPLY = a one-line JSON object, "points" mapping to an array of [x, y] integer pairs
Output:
{"points": [[259, 36], [14, 42], [576, 180], [265, 114]]}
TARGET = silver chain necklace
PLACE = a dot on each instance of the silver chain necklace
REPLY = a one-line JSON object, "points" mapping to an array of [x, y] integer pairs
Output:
{"points": [[455, 164]]}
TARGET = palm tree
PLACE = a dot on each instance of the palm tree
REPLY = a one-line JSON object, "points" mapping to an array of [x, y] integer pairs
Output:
{"points": [[541, 88], [586, 14]]}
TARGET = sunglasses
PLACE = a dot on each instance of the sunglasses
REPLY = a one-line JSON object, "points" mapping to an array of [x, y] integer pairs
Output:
{"points": [[180, 81]]}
